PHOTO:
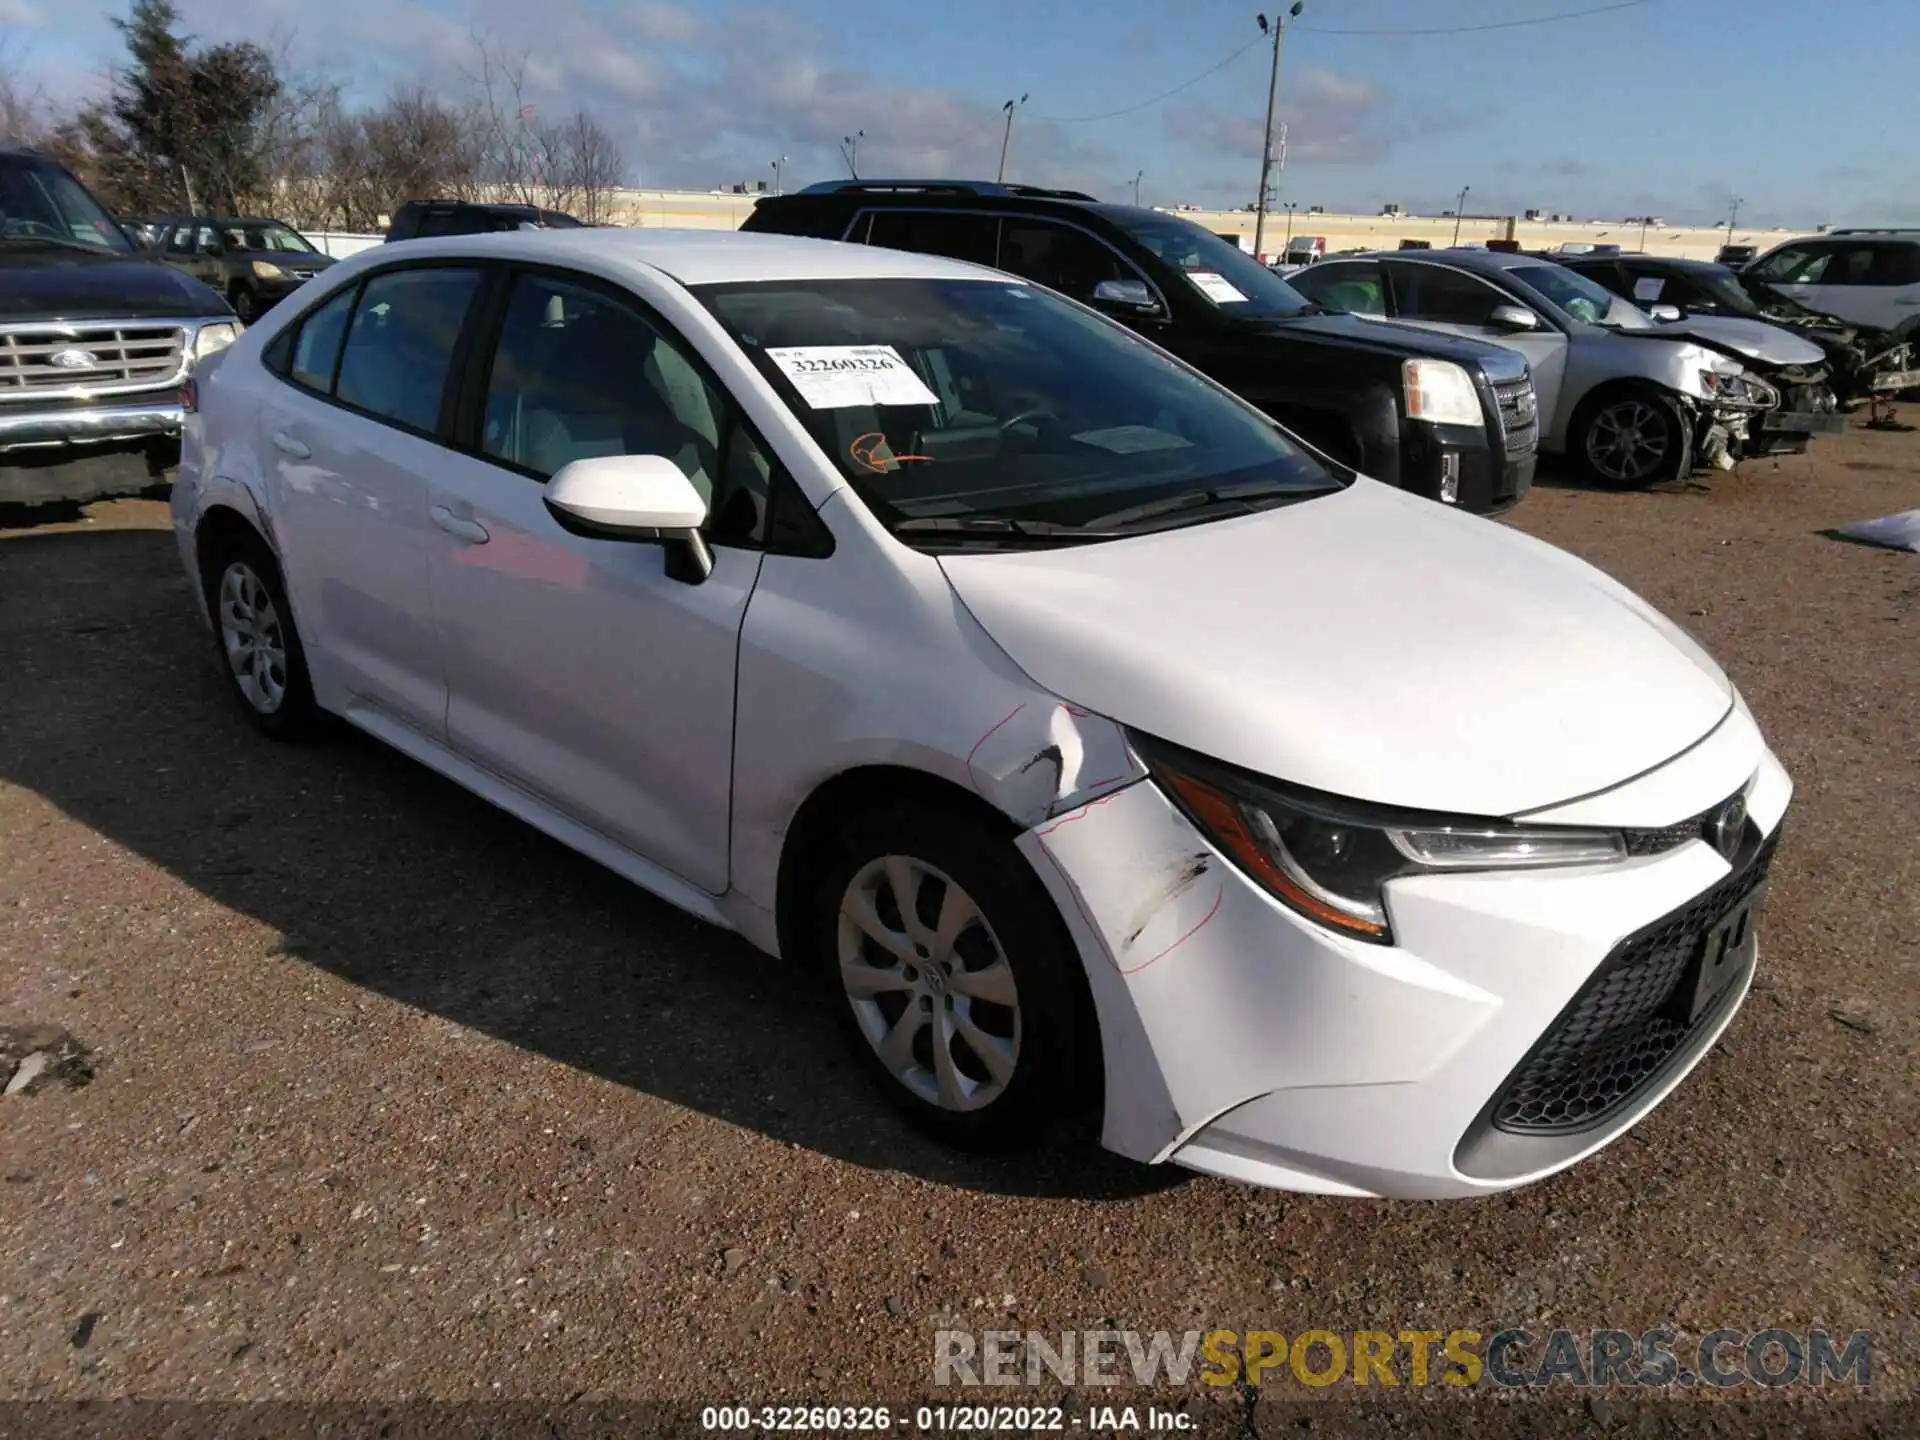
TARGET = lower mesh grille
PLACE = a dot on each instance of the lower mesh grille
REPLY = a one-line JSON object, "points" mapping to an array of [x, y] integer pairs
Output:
{"points": [[1628, 1021]]}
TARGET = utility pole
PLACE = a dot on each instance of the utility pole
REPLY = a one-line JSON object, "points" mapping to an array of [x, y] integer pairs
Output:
{"points": [[1136, 185], [1278, 30], [1645, 220], [850, 152], [1732, 216], [1459, 211], [1007, 138], [777, 165]]}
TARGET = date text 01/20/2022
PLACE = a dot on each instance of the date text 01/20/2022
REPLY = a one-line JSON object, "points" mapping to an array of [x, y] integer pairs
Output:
{"points": [[1015, 1419]]}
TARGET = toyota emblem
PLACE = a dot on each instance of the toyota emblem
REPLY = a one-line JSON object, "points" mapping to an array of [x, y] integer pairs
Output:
{"points": [[73, 358], [1726, 826]]}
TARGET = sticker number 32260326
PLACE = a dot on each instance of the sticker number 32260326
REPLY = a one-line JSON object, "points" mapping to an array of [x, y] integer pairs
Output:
{"points": [[836, 377]]}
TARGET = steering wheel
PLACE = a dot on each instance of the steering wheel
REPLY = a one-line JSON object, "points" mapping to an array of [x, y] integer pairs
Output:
{"points": [[1023, 417]]}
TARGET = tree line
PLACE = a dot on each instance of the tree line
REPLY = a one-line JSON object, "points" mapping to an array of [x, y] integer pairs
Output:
{"points": [[235, 129]]}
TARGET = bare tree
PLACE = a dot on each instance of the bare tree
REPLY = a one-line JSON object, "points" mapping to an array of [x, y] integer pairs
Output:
{"points": [[25, 116], [588, 167]]}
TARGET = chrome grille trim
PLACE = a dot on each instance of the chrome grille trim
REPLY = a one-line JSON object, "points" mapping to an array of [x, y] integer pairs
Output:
{"points": [[1519, 414], [127, 356]]}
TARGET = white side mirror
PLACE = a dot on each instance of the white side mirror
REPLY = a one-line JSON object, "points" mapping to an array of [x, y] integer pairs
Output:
{"points": [[1665, 313], [636, 498], [1515, 317]]}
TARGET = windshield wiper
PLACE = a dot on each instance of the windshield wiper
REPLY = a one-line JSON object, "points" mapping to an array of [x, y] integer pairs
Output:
{"points": [[1000, 527], [1244, 499]]}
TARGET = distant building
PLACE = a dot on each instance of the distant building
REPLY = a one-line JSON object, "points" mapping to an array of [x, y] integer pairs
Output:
{"points": [[1392, 209]]}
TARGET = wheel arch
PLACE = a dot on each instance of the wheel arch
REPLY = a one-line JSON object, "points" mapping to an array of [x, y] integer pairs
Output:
{"points": [[860, 788], [1685, 407], [221, 523]]}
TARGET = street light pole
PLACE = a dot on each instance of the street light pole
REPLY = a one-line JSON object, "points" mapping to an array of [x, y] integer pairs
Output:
{"points": [[777, 165], [1459, 212], [1136, 185], [1289, 240], [850, 152], [1007, 138], [1278, 30], [1732, 216], [1645, 220]]}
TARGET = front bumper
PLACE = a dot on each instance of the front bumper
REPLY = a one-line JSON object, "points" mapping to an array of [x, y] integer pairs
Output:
{"points": [[132, 417], [1455, 465], [1243, 1041]]}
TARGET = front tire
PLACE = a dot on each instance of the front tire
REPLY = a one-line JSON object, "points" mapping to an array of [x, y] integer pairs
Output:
{"points": [[244, 305], [954, 979], [258, 644], [1629, 438]]}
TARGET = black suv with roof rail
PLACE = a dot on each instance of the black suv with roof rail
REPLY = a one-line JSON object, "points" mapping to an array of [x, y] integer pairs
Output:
{"points": [[418, 219], [1445, 417]]}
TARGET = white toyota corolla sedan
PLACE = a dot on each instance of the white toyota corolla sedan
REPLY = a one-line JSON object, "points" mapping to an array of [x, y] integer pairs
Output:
{"points": [[1106, 750]]}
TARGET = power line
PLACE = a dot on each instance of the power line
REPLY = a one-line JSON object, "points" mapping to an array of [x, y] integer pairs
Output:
{"points": [[1490, 25], [1163, 95]]}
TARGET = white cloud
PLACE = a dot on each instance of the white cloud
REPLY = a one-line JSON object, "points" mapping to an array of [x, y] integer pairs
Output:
{"points": [[23, 13]]}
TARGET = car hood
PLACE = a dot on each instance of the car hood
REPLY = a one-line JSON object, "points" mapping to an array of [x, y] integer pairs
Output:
{"points": [[1386, 337], [1754, 340], [59, 284], [1369, 644]]}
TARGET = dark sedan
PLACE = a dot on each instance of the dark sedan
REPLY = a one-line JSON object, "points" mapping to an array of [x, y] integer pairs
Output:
{"points": [[254, 263], [1856, 355]]}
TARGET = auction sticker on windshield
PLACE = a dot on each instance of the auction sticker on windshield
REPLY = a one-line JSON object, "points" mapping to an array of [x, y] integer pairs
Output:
{"points": [[837, 377], [1215, 287]]}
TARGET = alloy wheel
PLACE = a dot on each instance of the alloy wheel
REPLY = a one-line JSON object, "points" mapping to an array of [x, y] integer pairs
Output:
{"points": [[251, 634], [1628, 441], [929, 983]]}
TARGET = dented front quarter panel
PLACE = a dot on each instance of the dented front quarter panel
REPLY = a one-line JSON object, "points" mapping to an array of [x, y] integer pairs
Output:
{"points": [[823, 692], [1209, 992]]}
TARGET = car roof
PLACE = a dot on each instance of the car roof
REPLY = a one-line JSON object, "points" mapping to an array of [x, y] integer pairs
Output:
{"points": [[1483, 262], [703, 257]]}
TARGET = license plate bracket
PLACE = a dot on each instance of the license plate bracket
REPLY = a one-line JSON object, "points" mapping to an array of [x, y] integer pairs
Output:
{"points": [[1724, 952]]}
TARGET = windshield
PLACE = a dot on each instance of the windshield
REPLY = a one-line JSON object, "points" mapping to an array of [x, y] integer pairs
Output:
{"points": [[966, 401], [1223, 274], [1724, 286], [40, 201], [266, 235], [1583, 299]]}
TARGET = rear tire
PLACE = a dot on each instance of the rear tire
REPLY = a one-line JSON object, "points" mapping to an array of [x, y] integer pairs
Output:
{"points": [[256, 640], [953, 977], [1629, 437]]}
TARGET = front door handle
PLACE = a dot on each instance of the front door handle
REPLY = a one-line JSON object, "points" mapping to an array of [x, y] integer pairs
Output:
{"points": [[287, 445], [459, 526]]}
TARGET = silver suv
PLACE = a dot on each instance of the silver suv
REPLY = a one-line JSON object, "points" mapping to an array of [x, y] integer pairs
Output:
{"points": [[1628, 400]]}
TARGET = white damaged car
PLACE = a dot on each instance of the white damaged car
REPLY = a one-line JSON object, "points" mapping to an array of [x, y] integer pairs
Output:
{"points": [[1110, 754]]}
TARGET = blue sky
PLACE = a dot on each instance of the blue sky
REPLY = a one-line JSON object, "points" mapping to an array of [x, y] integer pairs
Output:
{"points": [[1669, 106]]}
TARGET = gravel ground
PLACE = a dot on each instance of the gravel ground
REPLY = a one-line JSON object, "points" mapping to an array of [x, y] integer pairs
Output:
{"points": [[359, 1091]]}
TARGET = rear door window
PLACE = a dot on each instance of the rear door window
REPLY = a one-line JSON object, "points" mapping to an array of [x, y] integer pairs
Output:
{"points": [[400, 345], [934, 232]]}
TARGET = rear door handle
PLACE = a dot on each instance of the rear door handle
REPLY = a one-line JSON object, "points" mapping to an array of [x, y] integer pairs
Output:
{"points": [[287, 445], [459, 526]]}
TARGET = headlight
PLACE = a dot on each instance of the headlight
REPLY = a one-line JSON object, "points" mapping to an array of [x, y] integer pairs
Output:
{"points": [[266, 270], [214, 338], [1330, 859], [1737, 388], [1440, 392]]}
